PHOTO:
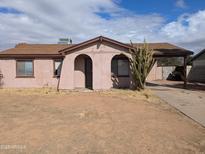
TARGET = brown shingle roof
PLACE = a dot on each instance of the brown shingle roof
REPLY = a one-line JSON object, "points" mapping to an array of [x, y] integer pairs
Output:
{"points": [[166, 49], [54, 50], [158, 45], [161, 49], [36, 49]]}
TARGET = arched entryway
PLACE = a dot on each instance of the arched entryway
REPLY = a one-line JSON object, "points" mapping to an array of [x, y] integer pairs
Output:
{"points": [[120, 70], [83, 72]]}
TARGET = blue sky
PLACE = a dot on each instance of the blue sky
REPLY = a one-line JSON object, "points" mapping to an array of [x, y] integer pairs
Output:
{"points": [[166, 8], [181, 22], [7, 10]]}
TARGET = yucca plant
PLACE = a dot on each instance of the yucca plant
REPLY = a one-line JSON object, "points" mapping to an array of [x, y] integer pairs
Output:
{"points": [[141, 63]]}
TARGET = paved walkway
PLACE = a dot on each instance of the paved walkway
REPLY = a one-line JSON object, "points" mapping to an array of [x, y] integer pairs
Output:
{"points": [[190, 102]]}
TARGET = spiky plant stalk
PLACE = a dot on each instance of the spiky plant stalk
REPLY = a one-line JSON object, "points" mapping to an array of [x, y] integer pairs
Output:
{"points": [[141, 63]]}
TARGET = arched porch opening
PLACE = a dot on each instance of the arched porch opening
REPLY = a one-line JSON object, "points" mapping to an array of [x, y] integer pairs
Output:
{"points": [[83, 72], [120, 71]]}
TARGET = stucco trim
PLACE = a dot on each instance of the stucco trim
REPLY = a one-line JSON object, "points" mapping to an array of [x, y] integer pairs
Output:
{"points": [[99, 39]]}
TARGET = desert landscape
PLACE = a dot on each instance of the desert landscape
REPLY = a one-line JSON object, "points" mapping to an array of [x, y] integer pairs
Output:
{"points": [[104, 122]]}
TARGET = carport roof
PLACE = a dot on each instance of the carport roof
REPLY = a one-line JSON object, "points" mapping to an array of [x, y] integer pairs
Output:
{"points": [[166, 49]]}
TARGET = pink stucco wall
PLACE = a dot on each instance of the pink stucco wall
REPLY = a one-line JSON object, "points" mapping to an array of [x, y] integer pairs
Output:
{"points": [[43, 74], [73, 76], [155, 73], [101, 56]]}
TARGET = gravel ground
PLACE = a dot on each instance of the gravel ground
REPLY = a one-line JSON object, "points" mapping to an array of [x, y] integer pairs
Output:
{"points": [[112, 122]]}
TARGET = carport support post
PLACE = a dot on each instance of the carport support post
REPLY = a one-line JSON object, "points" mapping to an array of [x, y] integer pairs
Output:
{"points": [[185, 72]]}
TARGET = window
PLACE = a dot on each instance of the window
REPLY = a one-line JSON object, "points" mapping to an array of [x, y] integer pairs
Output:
{"points": [[120, 67], [57, 67], [123, 67], [24, 68]]}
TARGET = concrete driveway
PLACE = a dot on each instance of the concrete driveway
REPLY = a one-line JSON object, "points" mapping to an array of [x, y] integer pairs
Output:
{"points": [[191, 102]]}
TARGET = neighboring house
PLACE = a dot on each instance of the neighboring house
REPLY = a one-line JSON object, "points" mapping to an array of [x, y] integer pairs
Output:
{"points": [[99, 63], [197, 72]]}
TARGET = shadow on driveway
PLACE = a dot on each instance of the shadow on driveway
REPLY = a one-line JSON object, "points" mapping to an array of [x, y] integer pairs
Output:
{"points": [[177, 84]]}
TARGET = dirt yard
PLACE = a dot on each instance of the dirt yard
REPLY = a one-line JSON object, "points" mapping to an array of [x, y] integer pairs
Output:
{"points": [[114, 122]]}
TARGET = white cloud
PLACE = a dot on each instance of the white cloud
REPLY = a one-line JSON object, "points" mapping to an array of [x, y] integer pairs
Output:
{"points": [[188, 30], [181, 4], [44, 21]]}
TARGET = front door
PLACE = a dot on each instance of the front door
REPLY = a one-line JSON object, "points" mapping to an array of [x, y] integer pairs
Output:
{"points": [[88, 73]]}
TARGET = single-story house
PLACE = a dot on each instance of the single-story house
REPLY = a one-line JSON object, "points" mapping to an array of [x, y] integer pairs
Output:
{"points": [[99, 63], [197, 72]]}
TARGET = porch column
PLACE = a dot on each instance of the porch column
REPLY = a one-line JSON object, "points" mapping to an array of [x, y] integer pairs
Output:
{"points": [[185, 72], [102, 72], [66, 80]]}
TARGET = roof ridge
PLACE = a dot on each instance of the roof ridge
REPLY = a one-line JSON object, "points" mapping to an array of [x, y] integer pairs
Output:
{"points": [[99, 38]]}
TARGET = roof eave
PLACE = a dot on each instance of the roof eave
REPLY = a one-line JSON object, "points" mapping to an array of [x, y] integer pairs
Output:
{"points": [[31, 56], [172, 53]]}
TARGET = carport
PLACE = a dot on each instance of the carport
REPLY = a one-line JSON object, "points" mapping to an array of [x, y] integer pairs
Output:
{"points": [[168, 53], [166, 50]]}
